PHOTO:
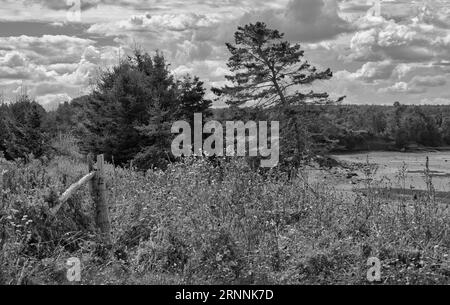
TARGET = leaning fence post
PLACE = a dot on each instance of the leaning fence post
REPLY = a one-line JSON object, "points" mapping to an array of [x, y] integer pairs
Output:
{"points": [[98, 185]]}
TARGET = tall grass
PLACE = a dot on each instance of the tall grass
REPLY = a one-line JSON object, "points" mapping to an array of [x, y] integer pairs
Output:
{"points": [[203, 223]]}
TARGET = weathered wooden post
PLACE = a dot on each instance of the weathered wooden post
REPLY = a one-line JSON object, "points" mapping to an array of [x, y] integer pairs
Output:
{"points": [[2, 172], [98, 187], [96, 179]]}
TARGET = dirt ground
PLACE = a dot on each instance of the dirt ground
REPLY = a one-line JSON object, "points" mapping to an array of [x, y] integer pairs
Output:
{"points": [[390, 168]]}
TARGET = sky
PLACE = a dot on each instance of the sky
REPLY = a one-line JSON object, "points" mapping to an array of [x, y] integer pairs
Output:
{"points": [[400, 52]]}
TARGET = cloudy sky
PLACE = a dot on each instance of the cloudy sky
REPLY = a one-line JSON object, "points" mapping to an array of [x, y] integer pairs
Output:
{"points": [[402, 55]]}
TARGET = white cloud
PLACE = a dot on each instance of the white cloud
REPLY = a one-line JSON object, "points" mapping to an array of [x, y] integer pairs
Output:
{"points": [[402, 87], [418, 85], [429, 81], [304, 20], [47, 49], [51, 101], [408, 42], [13, 59], [372, 71]]}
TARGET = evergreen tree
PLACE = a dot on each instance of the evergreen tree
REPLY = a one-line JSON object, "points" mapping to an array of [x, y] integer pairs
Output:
{"points": [[191, 99], [269, 72], [22, 129], [122, 102], [130, 113]]}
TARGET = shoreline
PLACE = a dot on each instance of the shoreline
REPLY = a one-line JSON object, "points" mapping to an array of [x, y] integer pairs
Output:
{"points": [[409, 150]]}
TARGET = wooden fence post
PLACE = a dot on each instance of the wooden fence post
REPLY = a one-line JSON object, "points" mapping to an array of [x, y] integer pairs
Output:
{"points": [[98, 186], [1, 189]]}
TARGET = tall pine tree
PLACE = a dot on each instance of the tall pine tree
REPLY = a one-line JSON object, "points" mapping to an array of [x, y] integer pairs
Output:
{"points": [[268, 72]]}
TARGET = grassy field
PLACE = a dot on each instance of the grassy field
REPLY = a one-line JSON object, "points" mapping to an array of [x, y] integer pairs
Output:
{"points": [[197, 223]]}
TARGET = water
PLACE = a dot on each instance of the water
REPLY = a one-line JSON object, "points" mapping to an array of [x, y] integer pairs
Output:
{"points": [[390, 164]]}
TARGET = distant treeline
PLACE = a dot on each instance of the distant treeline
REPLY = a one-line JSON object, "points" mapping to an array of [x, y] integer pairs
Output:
{"points": [[367, 127], [27, 129]]}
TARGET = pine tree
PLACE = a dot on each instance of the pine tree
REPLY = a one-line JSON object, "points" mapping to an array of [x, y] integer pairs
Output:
{"points": [[269, 72], [130, 113], [22, 132], [191, 99]]}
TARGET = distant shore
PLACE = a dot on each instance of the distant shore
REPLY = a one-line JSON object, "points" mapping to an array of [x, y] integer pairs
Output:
{"points": [[412, 149]]}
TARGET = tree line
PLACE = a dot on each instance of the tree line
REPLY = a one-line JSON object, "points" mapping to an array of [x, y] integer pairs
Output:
{"points": [[129, 114]]}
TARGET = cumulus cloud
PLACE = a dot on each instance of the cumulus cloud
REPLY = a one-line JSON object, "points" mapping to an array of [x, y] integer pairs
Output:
{"points": [[212, 69], [52, 67], [47, 49], [304, 20], [154, 23], [63, 5], [429, 81], [190, 51], [417, 85], [414, 41], [51, 101], [402, 87], [13, 59], [403, 52], [372, 71]]}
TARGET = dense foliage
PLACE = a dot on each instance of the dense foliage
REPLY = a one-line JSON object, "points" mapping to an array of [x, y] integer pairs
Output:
{"points": [[23, 129], [130, 113], [382, 127], [349, 128]]}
